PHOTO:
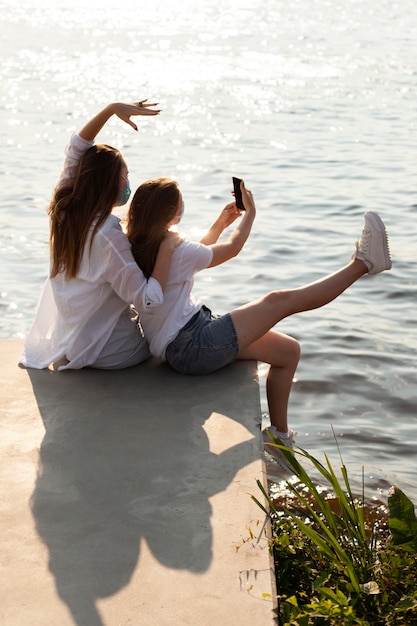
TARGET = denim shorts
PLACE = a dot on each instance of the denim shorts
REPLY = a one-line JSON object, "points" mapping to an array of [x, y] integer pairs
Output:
{"points": [[205, 344]]}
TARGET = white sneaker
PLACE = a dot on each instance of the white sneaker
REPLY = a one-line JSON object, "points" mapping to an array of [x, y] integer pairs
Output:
{"points": [[268, 436], [372, 247]]}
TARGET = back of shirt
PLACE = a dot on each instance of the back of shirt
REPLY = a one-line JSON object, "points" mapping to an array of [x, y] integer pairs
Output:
{"points": [[162, 323]]}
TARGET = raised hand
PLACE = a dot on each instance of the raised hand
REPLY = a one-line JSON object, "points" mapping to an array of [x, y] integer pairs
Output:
{"points": [[125, 111]]}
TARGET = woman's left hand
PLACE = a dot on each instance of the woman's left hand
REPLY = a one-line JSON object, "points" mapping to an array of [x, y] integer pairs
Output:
{"points": [[229, 214]]}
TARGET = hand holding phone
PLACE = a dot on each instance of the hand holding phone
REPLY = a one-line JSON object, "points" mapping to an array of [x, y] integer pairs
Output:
{"points": [[238, 193]]}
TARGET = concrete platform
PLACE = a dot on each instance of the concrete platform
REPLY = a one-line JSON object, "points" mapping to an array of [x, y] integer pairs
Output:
{"points": [[125, 498]]}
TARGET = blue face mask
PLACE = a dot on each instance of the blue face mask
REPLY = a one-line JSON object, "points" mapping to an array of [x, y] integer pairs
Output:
{"points": [[124, 194]]}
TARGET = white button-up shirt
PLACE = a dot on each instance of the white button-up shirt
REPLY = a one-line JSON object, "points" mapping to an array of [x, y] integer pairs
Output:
{"points": [[75, 317]]}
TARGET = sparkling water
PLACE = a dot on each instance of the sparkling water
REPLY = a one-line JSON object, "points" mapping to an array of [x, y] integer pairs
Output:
{"points": [[313, 104]]}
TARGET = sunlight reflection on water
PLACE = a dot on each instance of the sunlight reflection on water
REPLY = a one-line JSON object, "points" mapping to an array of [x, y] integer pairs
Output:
{"points": [[313, 106]]}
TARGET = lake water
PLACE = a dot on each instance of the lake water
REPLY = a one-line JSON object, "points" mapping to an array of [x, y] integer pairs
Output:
{"points": [[313, 103]]}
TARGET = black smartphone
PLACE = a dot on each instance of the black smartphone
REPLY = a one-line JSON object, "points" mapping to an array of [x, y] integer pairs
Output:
{"points": [[238, 193]]}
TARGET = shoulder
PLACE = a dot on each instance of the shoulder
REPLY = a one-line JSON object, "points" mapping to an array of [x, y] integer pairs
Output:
{"points": [[193, 247], [74, 151], [78, 145], [110, 242], [111, 223], [79, 142], [111, 231], [197, 254]]}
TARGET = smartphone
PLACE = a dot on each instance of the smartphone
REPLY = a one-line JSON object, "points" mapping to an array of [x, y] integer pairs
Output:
{"points": [[238, 193]]}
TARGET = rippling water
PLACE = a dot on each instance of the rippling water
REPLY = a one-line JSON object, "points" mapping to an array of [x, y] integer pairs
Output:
{"points": [[313, 103]]}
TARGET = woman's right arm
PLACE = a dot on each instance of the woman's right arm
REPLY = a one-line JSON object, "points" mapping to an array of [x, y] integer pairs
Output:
{"points": [[112, 255], [84, 138], [163, 259], [123, 110], [222, 252]]}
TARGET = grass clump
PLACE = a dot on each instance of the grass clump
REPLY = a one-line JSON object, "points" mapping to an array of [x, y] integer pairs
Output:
{"points": [[338, 563]]}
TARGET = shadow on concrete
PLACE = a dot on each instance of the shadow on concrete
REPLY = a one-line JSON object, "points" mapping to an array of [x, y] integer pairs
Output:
{"points": [[125, 457]]}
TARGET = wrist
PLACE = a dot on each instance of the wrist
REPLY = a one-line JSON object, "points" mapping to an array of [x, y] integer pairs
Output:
{"points": [[110, 109]]}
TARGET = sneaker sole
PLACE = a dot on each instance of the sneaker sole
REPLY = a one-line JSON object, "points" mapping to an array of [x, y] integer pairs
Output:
{"points": [[380, 227], [274, 454], [281, 462]]}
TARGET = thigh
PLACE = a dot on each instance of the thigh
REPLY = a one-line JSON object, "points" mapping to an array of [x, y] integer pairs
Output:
{"points": [[274, 348], [252, 321]]}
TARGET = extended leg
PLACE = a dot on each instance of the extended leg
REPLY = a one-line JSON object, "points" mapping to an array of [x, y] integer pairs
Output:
{"points": [[253, 320]]}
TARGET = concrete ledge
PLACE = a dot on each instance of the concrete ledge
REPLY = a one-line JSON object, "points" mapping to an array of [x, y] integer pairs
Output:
{"points": [[125, 497]]}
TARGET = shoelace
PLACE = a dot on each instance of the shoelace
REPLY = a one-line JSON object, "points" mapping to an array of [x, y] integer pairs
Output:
{"points": [[362, 244]]}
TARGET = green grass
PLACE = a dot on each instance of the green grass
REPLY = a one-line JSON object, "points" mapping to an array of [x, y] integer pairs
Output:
{"points": [[336, 563]]}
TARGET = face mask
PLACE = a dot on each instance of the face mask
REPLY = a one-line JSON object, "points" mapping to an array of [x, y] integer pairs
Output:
{"points": [[182, 211], [124, 194]]}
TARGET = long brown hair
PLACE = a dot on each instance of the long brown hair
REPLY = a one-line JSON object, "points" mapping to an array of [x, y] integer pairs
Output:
{"points": [[153, 206], [88, 199]]}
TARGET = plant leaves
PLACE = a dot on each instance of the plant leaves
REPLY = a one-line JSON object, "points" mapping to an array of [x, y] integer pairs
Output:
{"points": [[402, 519]]}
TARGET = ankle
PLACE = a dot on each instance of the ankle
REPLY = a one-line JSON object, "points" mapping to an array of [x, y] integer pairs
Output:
{"points": [[282, 434], [365, 266]]}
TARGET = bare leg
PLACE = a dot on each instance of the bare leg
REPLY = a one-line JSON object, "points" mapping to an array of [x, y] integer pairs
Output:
{"points": [[253, 320], [253, 323], [282, 353]]}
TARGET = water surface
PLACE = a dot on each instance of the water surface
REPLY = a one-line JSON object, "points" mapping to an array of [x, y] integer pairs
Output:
{"points": [[313, 103]]}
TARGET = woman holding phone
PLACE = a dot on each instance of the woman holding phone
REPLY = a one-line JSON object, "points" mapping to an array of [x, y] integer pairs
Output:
{"points": [[184, 332]]}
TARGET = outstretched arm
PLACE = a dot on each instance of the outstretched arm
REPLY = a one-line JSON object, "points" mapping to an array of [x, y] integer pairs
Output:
{"points": [[224, 251], [123, 110]]}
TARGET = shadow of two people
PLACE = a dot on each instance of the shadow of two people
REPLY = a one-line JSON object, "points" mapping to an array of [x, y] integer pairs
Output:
{"points": [[125, 457]]}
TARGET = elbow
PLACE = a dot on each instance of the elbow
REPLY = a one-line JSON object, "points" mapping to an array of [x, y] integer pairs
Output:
{"points": [[234, 251]]}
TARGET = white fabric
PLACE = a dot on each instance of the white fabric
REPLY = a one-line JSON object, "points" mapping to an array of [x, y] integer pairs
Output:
{"points": [[126, 345], [162, 324], [76, 317]]}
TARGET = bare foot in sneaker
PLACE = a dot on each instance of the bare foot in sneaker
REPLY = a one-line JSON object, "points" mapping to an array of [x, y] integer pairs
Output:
{"points": [[372, 247]]}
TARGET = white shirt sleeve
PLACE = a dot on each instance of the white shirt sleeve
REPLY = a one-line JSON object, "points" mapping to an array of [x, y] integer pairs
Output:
{"points": [[112, 256], [111, 252], [190, 257], [76, 148]]}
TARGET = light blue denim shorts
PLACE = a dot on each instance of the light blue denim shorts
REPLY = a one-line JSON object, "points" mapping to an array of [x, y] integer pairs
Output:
{"points": [[205, 344]]}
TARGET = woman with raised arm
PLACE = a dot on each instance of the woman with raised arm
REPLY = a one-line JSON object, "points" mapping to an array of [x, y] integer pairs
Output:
{"points": [[184, 332], [84, 317]]}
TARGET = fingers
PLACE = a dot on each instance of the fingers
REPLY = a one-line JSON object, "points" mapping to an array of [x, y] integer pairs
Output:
{"points": [[244, 189], [132, 124], [144, 105], [141, 108], [229, 214]]}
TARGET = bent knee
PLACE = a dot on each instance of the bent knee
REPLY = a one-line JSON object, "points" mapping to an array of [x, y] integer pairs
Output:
{"points": [[281, 300], [293, 349]]}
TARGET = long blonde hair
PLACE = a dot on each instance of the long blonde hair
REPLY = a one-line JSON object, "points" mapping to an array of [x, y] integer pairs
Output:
{"points": [[153, 206], [85, 202]]}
